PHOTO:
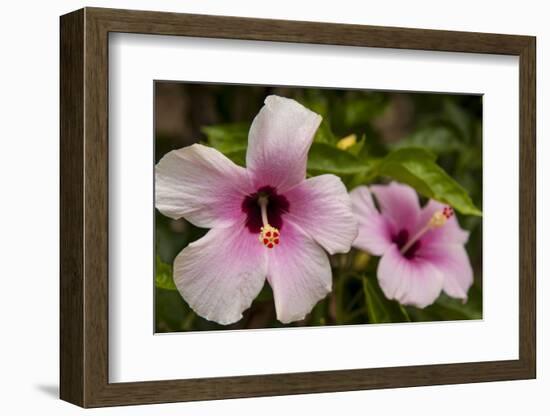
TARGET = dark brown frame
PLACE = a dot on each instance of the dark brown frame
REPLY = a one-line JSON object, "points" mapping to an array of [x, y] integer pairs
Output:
{"points": [[84, 209]]}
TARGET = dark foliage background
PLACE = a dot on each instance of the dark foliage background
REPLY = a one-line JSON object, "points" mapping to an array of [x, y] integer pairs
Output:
{"points": [[449, 126]]}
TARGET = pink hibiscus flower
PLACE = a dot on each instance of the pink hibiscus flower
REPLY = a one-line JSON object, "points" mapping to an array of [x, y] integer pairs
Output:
{"points": [[266, 220], [422, 249]]}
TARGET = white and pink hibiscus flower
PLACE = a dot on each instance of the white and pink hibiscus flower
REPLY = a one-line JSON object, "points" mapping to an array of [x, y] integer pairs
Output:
{"points": [[266, 220], [421, 248]]}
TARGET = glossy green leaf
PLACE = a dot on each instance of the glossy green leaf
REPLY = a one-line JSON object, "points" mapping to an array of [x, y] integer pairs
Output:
{"points": [[163, 275], [227, 138], [446, 308], [324, 134], [418, 168], [358, 147], [324, 158], [380, 309], [440, 139]]}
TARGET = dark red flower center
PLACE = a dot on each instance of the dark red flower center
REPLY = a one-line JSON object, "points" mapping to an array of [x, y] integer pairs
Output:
{"points": [[277, 206], [401, 238]]}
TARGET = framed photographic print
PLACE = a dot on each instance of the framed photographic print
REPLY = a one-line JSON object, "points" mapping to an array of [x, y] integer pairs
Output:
{"points": [[260, 207]]}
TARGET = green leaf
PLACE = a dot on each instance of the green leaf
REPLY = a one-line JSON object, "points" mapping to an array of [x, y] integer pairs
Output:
{"points": [[380, 309], [324, 134], [440, 139], [163, 275], [237, 156], [359, 110], [318, 104], [230, 139], [227, 138], [447, 309], [324, 158], [458, 117], [356, 149], [315, 100], [417, 167]]}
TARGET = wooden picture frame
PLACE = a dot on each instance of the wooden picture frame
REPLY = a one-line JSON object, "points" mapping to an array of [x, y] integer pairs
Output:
{"points": [[84, 207]]}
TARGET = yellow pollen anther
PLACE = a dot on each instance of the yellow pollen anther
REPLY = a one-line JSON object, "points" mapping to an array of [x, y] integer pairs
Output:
{"points": [[437, 220]]}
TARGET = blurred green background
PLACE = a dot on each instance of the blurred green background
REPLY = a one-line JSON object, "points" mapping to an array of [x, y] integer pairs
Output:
{"points": [[447, 126]]}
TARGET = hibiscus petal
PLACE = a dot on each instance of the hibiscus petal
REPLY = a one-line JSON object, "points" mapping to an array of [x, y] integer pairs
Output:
{"points": [[449, 233], [454, 264], [299, 274], [399, 203], [222, 273], [279, 141], [375, 231], [411, 282], [322, 208], [201, 185]]}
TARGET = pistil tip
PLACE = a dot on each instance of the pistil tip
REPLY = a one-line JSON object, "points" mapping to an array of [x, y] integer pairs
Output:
{"points": [[269, 236], [448, 211]]}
